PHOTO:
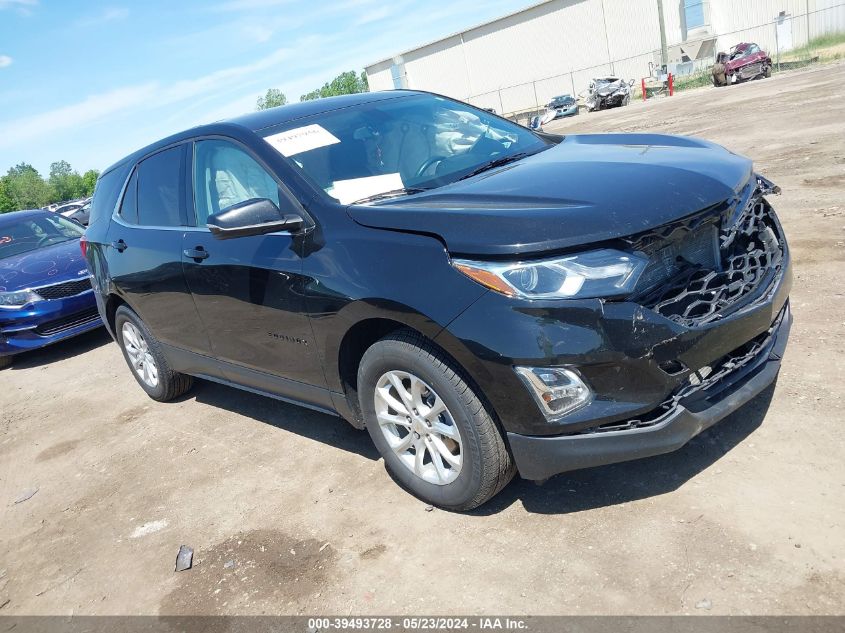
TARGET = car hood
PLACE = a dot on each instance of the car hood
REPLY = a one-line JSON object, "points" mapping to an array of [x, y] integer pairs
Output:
{"points": [[588, 188], [742, 61], [52, 264], [609, 88]]}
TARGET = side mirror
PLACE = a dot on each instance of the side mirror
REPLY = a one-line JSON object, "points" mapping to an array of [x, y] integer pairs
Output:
{"points": [[255, 216]]}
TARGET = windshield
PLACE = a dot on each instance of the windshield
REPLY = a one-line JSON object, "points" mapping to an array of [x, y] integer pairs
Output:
{"points": [[399, 145], [34, 232], [745, 51]]}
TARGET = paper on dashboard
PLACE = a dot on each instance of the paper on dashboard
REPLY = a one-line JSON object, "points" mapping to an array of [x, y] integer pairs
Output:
{"points": [[348, 191]]}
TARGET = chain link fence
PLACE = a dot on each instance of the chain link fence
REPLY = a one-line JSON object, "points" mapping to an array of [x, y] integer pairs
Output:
{"points": [[791, 41]]}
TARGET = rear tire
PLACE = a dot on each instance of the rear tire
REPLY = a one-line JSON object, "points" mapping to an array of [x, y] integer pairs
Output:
{"points": [[451, 416], [5, 361], [146, 360]]}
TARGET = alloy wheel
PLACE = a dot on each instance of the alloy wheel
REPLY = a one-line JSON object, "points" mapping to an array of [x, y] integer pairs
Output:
{"points": [[418, 427], [138, 351]]}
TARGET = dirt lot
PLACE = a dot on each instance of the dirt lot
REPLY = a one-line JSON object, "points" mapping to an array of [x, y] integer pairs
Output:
{"points": [[290, 511]]}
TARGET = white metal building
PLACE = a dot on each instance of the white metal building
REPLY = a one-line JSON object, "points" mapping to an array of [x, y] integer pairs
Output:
{"points": [[555, 47]]}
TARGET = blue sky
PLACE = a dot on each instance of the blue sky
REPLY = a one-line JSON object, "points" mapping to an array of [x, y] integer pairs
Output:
{"points": [[89, 82]]}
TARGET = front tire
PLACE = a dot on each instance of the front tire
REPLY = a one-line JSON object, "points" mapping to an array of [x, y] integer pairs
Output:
{"points": [[438, 439], [146, 360]]}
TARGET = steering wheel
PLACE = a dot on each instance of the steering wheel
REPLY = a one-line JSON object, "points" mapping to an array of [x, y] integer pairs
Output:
{"points": [[427, 163]]}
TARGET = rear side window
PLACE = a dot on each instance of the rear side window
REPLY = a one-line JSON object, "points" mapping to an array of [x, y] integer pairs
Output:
{"points": [[161, 188], [106, 194]]}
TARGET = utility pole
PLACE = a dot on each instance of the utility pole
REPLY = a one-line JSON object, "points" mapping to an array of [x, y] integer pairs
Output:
{"points": [[664, 51], [606, 38], [807, 11]]}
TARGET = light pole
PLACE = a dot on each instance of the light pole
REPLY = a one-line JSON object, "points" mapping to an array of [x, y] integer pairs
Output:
{"points": [[664, 51]]}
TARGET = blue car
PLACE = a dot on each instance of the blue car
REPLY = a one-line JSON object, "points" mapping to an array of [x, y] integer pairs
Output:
{"points": [[564, 106], [45, 287]]}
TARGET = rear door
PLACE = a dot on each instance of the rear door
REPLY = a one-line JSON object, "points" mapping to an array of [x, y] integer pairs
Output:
{"points": [[145, 249], [248, 290]]}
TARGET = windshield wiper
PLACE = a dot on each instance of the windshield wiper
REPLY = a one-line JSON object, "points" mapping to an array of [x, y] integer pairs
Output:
{"points": [[496, 162], [393, 193]]}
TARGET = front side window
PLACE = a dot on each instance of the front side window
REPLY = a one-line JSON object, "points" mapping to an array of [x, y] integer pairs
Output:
{"points": [[160, 188], [225, 175], [32, 233], [411, 142]]}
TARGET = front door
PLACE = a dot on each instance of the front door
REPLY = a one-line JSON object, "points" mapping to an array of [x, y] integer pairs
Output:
{"points": [[248, 290]]}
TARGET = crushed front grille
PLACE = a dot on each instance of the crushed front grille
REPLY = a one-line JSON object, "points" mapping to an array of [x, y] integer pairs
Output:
{"points": [[711, 265], [750, 71], [64, 289], [700, 380]]}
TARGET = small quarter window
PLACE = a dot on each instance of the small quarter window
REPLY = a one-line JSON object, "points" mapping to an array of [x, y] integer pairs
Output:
{"points": [[129, 206]]}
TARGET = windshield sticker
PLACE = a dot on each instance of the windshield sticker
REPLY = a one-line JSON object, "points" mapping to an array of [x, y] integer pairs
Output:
{"points": [[5, 239], [348, 191], [301, 139]]}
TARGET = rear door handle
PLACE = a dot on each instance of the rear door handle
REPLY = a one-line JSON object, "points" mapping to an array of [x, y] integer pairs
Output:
{"points": [[119, 246], [198, 253]]}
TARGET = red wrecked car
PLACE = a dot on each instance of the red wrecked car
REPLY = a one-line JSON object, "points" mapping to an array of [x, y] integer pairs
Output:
{"points": [[744, 62]]}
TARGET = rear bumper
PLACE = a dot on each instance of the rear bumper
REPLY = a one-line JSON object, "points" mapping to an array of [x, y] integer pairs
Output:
{"points": [[539, 458]]}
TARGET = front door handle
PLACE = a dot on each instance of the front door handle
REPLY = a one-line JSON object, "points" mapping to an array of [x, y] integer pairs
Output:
{"points": [[119, 246], [197, 254]]}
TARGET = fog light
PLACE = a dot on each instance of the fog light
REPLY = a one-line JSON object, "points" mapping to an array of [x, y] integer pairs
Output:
{"points": [[558, 391]]}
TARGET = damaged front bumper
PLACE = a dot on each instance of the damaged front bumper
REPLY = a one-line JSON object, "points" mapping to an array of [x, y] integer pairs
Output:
{"points": [[660, 369], [679, 420]]}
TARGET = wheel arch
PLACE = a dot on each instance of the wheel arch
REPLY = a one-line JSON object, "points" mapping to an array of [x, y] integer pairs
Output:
{"points": [[113, 301], [355, 342], [367, 331]]}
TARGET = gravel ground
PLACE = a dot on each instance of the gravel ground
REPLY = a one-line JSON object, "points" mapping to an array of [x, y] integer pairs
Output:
{"points": [[290, 511]]}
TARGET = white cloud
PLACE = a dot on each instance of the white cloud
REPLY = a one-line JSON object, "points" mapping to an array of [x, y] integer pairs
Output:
{"points": [[109, 14], [248, 5], [5, 61], [24, 7], [75, 115], [145, 96], [375, 15], [257, 32], [17, 4]]}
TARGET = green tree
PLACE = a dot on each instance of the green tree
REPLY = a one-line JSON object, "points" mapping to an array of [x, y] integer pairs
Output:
{"points": [[26, 188], [344, 84], [89, 181], [66, 183], [6, 201], [272, 99]]}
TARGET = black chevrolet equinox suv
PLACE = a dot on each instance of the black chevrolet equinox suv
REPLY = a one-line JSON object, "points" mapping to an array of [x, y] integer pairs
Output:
{"points": [[483, 299]]}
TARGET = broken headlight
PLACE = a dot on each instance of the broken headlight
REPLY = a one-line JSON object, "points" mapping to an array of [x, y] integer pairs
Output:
{"points": [[599, 273]]}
